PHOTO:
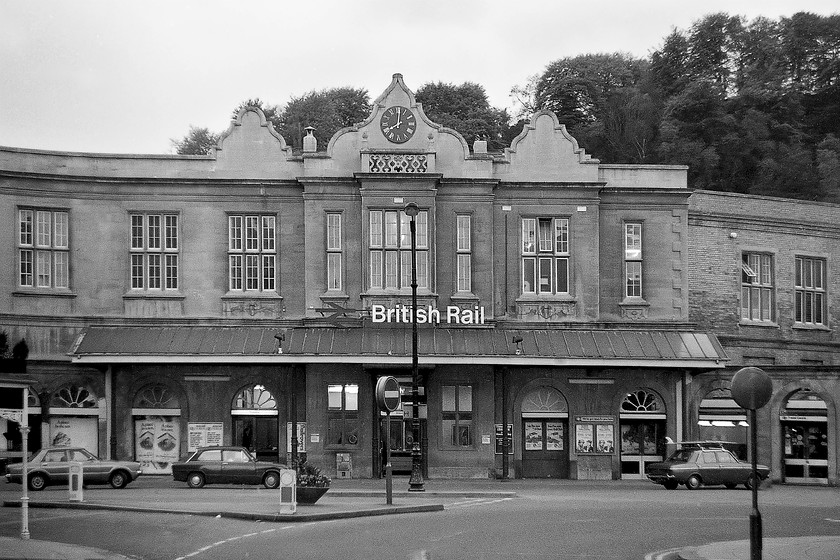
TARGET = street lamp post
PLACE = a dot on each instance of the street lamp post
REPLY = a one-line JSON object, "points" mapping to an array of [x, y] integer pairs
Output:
{"points": [[751, 389], [415, 483]]}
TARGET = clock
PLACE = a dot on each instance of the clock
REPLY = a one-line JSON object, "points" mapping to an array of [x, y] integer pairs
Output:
{"points": [[398, 124]]}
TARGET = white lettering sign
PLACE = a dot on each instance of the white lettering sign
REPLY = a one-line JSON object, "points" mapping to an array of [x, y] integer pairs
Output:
{"points": [[452, 315]]}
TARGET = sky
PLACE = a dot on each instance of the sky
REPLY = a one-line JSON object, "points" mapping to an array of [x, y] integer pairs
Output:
{"points": [[119, 76]]}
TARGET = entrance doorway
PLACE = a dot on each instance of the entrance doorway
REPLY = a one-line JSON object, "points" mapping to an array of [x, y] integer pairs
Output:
{"points": [[258, 434], [255, 422], [545, 448], [804, 423], [402, 442], [642, 424], [545, 434]]}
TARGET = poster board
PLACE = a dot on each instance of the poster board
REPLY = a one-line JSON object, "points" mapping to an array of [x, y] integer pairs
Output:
{"points": [[301, 437], [204, 434], [75, 431], [157, 442]]}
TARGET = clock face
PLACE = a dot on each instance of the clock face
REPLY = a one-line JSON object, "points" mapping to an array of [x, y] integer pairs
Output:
{"points": [[398, 124], [287, 478]]}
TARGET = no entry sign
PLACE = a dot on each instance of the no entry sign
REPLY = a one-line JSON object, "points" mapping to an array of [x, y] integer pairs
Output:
{"points": [[388, 394]]}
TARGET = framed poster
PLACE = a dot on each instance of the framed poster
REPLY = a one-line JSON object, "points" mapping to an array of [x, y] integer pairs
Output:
{"points": [[301, 437], [533, 436], [605, 438], [156, 443], [75, 431], [554, 436], [204, 434], [500, 442], [583, 438]]}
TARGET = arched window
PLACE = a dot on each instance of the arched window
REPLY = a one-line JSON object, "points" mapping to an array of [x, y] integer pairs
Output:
{"points": [[642, 401], [74, 396], [544, 400], [156, 396], [255, 398]]}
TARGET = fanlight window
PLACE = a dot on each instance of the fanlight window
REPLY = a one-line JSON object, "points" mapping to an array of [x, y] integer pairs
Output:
{"points": [[642, 401], [544, 399], [156, 396], [255, 398], [73, 396]]}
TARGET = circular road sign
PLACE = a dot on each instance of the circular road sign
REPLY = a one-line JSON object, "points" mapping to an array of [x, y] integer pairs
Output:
{"points": [[388, 393], [751, 388]]}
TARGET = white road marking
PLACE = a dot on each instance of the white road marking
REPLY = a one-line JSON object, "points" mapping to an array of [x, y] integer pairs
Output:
{"points": [[247, 535]]}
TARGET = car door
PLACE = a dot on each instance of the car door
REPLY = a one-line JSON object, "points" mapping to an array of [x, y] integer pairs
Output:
{"points": [[54, 463], [210, 463], [709, 468], [238, 467], [730, 469]]}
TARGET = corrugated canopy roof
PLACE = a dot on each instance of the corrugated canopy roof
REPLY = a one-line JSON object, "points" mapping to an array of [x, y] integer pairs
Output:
{"points": [[561, 347]]}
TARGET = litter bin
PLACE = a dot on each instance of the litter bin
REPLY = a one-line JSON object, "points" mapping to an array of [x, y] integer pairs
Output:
{"points": [[75, 482]]}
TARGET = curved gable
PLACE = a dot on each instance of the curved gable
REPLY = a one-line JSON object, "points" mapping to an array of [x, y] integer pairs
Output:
{"points": [[545, 151]]}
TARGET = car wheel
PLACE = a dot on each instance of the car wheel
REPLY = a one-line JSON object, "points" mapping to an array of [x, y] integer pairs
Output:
{"points": [[38, 482], [195, 480], [749, 483], [271, 480], [118, 480], [671, 485], [694, 482]]}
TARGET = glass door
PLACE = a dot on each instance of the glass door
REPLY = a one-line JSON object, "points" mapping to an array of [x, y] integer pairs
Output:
{"points": [[806, 452], [642, 442]]}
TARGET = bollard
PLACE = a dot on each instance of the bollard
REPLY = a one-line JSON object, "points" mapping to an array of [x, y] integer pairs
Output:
{"points": [[75, 482], [288, 491]]}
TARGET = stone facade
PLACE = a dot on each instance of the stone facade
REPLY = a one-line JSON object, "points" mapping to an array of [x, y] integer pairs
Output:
{"points": [[203, 249]]}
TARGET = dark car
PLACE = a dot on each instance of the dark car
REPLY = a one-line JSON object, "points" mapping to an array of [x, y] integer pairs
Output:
{"points": [[226, 465], [704, 464], [52, 466]]}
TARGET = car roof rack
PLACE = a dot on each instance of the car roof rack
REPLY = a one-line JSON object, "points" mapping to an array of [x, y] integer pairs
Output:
{"points": [[705, 443]]}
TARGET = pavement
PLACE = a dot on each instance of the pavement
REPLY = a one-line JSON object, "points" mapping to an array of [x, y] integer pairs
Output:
{"points": [[345, 499]]}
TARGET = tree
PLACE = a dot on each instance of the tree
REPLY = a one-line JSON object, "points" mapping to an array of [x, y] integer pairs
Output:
{"points": [[605, 102], [198, 142], [464, 108], [327, 111], [828, 167], [669, 65], [270, 111]]}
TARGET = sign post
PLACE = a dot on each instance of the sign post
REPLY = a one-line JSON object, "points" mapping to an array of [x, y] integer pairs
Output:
{"points": [[752, 389], [388, 398]]}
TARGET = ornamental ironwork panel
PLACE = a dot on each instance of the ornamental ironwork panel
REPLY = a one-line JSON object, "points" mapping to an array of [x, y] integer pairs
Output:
{"points": [[398, 163]]}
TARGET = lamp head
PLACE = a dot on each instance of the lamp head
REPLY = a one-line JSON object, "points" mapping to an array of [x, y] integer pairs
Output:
{"points": [[411, 209]]}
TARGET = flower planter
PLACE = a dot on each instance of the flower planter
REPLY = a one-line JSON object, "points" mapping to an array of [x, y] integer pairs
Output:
{"points": [[310, 494]]}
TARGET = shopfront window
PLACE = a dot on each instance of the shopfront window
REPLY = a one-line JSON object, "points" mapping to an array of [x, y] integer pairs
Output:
{"points": [[721, 419], [343, 414], [457, 407], [804, 422]]}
